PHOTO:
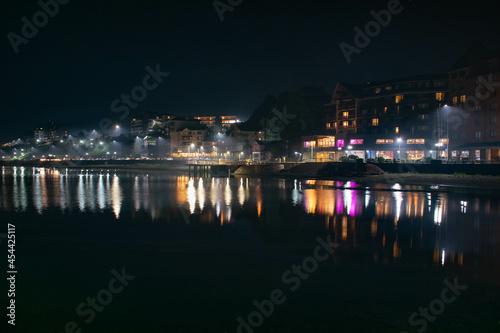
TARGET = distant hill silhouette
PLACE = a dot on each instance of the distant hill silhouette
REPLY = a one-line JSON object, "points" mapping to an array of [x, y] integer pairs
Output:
{"points": [[291, 114]]}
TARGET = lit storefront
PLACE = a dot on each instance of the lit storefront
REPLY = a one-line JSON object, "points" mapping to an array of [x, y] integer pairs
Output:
{"points": [[415, 154], [385, 154], [477, 152], [319, 148], [325, 156]]}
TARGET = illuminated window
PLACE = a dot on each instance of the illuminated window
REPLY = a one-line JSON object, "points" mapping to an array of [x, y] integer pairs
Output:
{"points": [[326, 142], [399, 98], [308, 144], [375, 122], [415, 141], [385, 109], [388, 88], [396, 130], [356, 141], [462, 98], [328, 126], [345, 114], [378, 90], [444, 140], [455, 99], [345, 124], [440, 96], [384, 141]]}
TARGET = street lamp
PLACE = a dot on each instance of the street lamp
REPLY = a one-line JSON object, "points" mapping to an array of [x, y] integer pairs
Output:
{"points": [[399, 140], [439, 145], [447, 111]]}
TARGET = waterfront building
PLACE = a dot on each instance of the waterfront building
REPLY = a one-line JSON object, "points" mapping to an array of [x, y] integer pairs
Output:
{"points": [[474, 114], [394, 119], [49, 132]]}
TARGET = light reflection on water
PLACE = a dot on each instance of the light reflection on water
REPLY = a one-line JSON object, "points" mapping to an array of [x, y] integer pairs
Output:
{"points": [[460, 229]]}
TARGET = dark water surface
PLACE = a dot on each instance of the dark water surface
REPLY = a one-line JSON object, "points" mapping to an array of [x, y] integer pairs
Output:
{"points": [[201, 253]]}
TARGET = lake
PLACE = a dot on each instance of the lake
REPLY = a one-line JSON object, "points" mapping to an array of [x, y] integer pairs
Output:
{"points": [[110, 250]]}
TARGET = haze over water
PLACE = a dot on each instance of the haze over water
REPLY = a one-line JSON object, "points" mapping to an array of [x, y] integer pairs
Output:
{"points": [[203, 249]]}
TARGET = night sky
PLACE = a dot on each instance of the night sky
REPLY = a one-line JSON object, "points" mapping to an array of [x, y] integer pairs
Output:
{"points": [[91, 52]]}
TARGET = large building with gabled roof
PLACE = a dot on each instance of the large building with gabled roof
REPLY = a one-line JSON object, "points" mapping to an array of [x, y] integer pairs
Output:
{"points": [[397, 118]]}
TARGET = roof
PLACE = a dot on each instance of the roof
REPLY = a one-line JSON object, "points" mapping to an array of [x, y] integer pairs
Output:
{"points": [[418, 77], [244, 127], [353, 88], [479, 145], [477, 53], [193, 127], [363, 90]]}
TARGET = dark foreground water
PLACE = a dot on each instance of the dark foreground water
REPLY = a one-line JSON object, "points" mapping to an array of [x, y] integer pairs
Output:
{"points": [[112, 251]]}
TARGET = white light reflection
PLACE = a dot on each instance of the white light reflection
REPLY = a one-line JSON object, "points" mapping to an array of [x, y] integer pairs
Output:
{"points": [[80, 193], [463, 207], [438, 212], [101, 193], [116, 196], [241, 193], [201, 195], [191, 195]]}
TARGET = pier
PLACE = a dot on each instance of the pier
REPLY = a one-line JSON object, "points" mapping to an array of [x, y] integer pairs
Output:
{"points": [[228, 168]]}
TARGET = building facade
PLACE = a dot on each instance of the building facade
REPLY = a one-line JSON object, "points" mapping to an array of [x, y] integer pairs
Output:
{"points": [[190, 142], [224, 121], [394, 119], [473, 116], [150, 123], [49, 132]]}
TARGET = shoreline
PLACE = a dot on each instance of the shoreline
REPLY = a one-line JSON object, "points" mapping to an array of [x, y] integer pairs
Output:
{"points": [[462, 181], [457, 182]]}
